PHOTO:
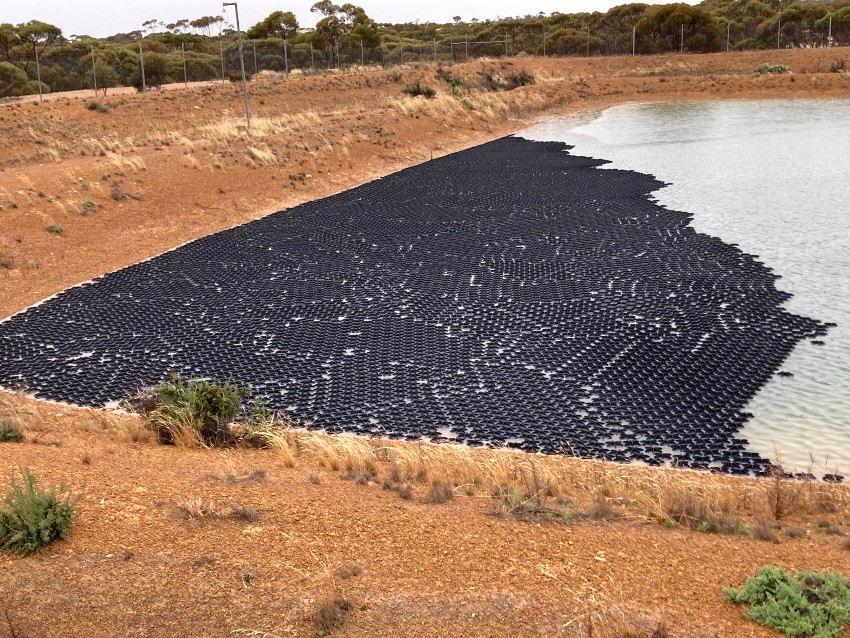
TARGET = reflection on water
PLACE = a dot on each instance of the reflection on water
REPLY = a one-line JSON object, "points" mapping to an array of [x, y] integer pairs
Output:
{"points": [[772, 176]]}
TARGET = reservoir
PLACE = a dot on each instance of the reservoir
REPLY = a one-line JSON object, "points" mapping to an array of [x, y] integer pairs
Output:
{"points": [[772, 177]]}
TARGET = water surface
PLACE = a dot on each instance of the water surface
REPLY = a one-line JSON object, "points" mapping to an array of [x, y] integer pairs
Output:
{"points": [[772, 177]]}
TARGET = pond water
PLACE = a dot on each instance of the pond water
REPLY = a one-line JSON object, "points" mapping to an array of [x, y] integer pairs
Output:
{"points": [[773, 177]]}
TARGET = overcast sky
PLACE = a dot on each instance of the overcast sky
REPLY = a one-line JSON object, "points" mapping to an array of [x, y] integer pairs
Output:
{"points": [[101, 18]]}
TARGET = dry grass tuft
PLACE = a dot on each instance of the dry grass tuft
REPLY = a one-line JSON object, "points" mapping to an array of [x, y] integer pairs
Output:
{"points": [[331, 613], [439, 493], [764, 533]]}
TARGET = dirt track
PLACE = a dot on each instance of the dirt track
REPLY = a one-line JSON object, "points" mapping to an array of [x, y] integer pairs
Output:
{"points": [[156, 170]]}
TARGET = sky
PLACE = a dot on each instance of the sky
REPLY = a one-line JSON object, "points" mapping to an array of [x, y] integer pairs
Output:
{"points": [[100, 18]]}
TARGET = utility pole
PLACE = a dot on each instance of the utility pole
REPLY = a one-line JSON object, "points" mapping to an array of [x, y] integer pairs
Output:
{"points": [[38, 74], [241, 62], [221, 46], [94, 71], [185, 75], [142, 62]]}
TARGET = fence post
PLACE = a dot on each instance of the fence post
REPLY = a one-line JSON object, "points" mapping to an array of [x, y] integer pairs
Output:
{"points": [[682, 40], [285, 57], [185, 75], [588, 40], [506, 44], [435, 50], [634, 38], [362, 54], [467, 47], [401, 50], [256, 70], [312, 57], [728, 28]]}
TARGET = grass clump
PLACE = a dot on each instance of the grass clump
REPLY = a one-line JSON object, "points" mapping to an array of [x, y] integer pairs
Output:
{"points": [[765, 68], [31, 518], [55, 229], [204, 411], [799, 604], [839, 66], [417, 90], [9, 433]]}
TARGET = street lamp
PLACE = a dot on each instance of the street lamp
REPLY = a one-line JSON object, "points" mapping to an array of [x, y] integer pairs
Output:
{"points": [[241, 61]]}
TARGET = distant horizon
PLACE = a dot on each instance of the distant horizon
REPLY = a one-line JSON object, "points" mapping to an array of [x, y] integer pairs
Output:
{"points": [[98, 18]]}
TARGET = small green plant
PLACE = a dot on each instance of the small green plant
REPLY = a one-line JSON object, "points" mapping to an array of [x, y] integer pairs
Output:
{"points": [[56, 229], [771, 68], [31, 518], [417, 90], [86, 206], [800, 604], [9, 433], [704, 527], [744, 529], [669, 523]]}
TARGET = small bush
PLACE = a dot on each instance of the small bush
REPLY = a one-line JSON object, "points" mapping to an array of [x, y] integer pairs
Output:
{"points": [[515, 80], [9, 433], [331, 614], [839, 66], [204, 410], [97, 106], [771, 68], [417, 90], [245, 514], [795, 532], [395, 75], [31, 518], [56, 229], [810, 604], [236, 76]]}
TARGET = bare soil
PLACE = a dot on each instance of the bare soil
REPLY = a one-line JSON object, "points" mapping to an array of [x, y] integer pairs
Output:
{"points": [[85, 192]]}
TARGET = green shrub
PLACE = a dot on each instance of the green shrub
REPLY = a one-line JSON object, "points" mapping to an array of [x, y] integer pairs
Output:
{"points": [[416, 90], [771, 68], [804, 604], [31, 518], [9, 433], [204, 410]]}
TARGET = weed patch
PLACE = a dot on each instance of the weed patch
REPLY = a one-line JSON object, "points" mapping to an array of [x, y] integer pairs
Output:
{"points": [[31, 518], [810, 604], [9, 433]]}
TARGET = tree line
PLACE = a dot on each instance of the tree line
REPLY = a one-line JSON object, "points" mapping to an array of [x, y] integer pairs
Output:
{"points": [[36, 55]]}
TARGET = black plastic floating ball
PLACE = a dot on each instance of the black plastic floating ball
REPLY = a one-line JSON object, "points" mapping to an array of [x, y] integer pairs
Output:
{"points": [[511, 294]]}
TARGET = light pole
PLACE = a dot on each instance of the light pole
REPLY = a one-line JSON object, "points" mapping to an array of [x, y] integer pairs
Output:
{"points": [[241, 61]]}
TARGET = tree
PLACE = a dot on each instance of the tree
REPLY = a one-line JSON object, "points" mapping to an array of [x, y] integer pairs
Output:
{"points": [[280, 24], [13, 81], [344, 22], [457, 19], [37, 36], [8, 39]]}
